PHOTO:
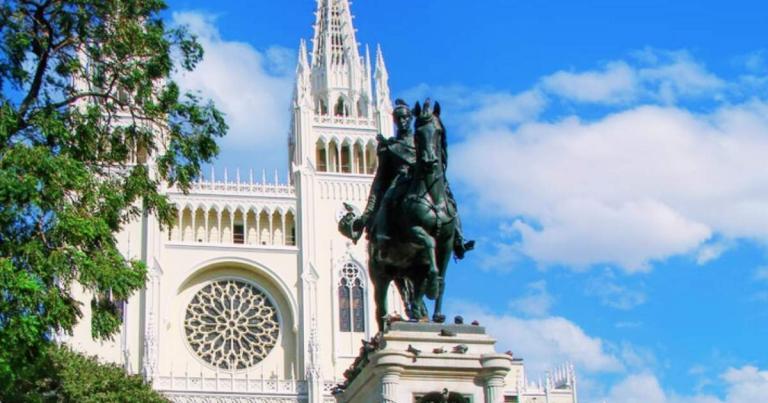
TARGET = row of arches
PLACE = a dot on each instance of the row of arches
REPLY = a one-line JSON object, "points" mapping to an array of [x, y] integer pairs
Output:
{"points": [[345, 156], [235, 226], [342, 107]]}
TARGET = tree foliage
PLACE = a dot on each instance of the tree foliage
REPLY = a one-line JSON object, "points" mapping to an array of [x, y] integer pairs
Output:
{"points": [[91, 130], [62, 375]]}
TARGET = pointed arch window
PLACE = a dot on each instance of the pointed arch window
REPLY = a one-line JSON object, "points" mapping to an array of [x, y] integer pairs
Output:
{"points": [[341, 108], [322, 108], [351, 299]]}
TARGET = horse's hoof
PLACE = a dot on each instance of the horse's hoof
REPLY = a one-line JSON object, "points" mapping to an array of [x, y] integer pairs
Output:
{"points": [[438, 318], [433, 286]]}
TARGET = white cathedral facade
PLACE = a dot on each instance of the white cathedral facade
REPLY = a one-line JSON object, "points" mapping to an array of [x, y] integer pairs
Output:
{"points": [[253, 295]]}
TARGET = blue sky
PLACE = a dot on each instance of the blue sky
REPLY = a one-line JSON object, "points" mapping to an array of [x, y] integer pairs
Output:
{"points": [[609, 157]]}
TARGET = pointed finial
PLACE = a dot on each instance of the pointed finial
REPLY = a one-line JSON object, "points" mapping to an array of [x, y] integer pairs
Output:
{"points": [[263, 176], [277, 181], [213, 174], [250, 175], [225, 175]]}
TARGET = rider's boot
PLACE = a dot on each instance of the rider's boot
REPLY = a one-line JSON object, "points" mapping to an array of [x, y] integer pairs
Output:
{"points": [[460, 247]]}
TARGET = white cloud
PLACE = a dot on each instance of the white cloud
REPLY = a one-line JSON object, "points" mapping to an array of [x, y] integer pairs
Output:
{"points": [[508, 109], [710, 252], [761, 273], [535, 302], [615, 295], [639, 388], [747, 384], [679, 76], [634, 187], [546, 342], [654, 75], [253, 88], [468, 109], [616, 83]]}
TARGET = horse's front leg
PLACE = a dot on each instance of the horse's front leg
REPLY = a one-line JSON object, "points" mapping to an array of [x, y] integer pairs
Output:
{"points": [[423, 238], [380, 287], [443, 252]]}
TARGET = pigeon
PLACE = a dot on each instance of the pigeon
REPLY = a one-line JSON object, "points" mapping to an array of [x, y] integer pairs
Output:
{"points": [[460, 349], [414, 350]]}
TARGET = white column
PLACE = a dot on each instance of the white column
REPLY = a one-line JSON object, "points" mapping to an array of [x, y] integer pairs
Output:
{"points": [[365, 158], [180, 225], [495, 368], [389, 383], [207, 234], [231, 226], [494, 389], [327, 157], [258, 224], [338, 158], [194, 225], [219, 230], [282, 219], [271, 229]]}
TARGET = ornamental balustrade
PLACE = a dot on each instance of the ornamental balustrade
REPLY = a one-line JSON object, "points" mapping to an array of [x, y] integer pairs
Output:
{"points": [[241, 186], [344, 120], [229, 383]]}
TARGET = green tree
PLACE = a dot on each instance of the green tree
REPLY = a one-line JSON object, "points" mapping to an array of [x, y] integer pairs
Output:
{"points": [[91, 129], [62, 375]]}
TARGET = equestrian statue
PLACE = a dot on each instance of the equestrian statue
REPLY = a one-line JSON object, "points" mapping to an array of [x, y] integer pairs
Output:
{"points": [[411, 218]]}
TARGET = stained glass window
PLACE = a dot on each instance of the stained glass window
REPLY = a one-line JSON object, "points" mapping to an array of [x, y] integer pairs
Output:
{"points": [[351, 299]]}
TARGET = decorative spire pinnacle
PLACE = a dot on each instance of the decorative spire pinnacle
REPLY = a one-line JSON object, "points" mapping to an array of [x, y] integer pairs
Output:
{"points": [[303, 62], [334, 42], [382, 80]]}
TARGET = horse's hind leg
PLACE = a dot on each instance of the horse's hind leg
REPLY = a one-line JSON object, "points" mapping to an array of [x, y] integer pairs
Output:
{"points": [[428, 242]]}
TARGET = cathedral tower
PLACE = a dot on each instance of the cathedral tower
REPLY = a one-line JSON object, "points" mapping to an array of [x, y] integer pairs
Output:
{"points": [[336, 117]]}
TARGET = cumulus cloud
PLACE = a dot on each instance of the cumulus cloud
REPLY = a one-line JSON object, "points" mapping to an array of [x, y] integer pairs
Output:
{"points": [[633, 187], [535, 302], [468, 108], [615, 295], [743, 385], [545, 342], [654, 75], [616, 83], [252, 87]]}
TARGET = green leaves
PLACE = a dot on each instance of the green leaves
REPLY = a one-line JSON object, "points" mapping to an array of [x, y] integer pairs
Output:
{"points": [[62, 375], [91, 127]]}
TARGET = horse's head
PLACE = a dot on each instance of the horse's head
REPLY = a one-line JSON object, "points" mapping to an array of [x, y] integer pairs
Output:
{"points": [[426, 135]]}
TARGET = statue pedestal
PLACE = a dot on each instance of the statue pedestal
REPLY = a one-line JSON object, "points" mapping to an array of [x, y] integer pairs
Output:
{"points": [[419, 359]]}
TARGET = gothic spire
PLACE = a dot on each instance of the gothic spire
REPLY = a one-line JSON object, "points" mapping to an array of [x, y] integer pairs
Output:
{"points": [[334, 43], [382, 81], [301, 93], [383, 103]]}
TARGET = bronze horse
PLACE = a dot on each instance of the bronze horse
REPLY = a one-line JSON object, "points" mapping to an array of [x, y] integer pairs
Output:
{"points": [[425, 220]]}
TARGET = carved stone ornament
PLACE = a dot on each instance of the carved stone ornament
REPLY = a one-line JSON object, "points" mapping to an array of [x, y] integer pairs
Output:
{"points": [[231, 324]]}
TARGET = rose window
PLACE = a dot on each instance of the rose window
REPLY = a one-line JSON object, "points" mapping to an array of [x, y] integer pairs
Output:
{"points": [[231, 324]]}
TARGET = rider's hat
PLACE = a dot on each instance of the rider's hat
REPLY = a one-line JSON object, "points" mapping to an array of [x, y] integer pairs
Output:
{"points": [[401, 108]]}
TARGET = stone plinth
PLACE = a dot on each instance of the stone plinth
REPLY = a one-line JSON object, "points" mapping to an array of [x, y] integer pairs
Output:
{"points": [[416, 359]]}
